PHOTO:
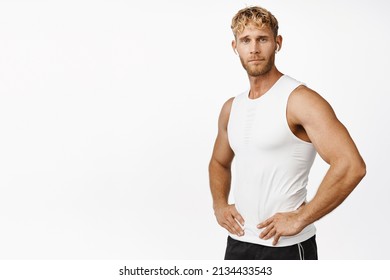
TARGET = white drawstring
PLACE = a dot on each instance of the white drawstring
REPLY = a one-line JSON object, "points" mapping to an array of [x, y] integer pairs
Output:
{"points": [[301, 251]]}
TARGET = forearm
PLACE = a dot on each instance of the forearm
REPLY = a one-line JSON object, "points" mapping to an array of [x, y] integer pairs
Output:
{"points": [[220, 180], [227, 215], [338, 183]]}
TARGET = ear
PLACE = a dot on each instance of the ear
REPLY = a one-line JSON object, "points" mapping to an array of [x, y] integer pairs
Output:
{"points": [[234, 45], [279, 41]]}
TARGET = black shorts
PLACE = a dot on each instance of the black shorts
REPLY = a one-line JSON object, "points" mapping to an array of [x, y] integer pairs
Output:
{"points": [[238, 250]]}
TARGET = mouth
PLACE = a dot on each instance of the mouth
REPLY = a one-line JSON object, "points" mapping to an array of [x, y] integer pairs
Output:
{"points": [[256, 60]]}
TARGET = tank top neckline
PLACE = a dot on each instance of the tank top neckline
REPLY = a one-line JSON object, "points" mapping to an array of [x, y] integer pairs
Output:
{"points": [[265, 93]]}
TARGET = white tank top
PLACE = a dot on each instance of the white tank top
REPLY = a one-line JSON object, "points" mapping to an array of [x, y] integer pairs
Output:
{"points": [[271, 163]]}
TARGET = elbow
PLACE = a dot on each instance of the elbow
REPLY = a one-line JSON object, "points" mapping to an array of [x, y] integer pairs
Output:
{"points": [[215, 164], [361, 170], [212, 164], [350, 171], [358, 170]]}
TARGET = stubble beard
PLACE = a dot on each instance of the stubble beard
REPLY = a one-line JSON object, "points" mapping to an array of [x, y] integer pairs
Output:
{"points": [[258, 70]]}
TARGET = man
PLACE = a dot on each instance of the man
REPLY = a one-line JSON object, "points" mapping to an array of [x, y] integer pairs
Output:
{"points": [[274, 131]]}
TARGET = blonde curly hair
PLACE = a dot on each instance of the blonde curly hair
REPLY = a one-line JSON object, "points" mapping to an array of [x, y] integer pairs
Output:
{"points": [[255, 15]]}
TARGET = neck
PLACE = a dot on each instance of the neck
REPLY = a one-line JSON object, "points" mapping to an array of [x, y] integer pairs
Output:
{"points": [[259, 85]]}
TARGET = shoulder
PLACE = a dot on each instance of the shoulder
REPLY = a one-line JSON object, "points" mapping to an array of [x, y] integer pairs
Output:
{"points": [[225, 111], [305, 94], [227, 106], [305, 105]]}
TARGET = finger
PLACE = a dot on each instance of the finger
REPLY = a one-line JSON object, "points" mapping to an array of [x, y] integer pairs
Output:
{"points": [[266, 231], [232, 229], [235, 226], [265, 223], [270, 234], [276, 239], [238, 216], [239, 219], [228, 228]]}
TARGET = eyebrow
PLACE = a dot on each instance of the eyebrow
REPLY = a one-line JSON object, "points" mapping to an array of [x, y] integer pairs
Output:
{"points": [[258, 37], [243, 38]]}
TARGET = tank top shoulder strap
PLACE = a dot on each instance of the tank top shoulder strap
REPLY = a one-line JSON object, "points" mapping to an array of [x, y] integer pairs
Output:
{"points": [[288, 85]]}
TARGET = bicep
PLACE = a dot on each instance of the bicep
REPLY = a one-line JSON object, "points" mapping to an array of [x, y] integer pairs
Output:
{"points": [[329, 136], [222, 152]]}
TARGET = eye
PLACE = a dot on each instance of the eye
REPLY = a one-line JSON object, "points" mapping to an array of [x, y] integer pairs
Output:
{"points": [[246, 40], [263, 39]]}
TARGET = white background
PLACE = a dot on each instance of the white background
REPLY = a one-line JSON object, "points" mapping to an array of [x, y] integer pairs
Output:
{"points": [[108, 114]]}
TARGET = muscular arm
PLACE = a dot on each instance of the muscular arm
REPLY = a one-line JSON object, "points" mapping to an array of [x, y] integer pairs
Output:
{"points": [[220, 176], [308, 110]]}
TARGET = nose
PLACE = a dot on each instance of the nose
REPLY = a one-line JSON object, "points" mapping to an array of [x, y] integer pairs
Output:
{"points": [[255, 48]]}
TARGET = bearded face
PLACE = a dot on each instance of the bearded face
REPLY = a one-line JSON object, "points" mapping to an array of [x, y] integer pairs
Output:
{"points": [[258, 66], [256, 48]]}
